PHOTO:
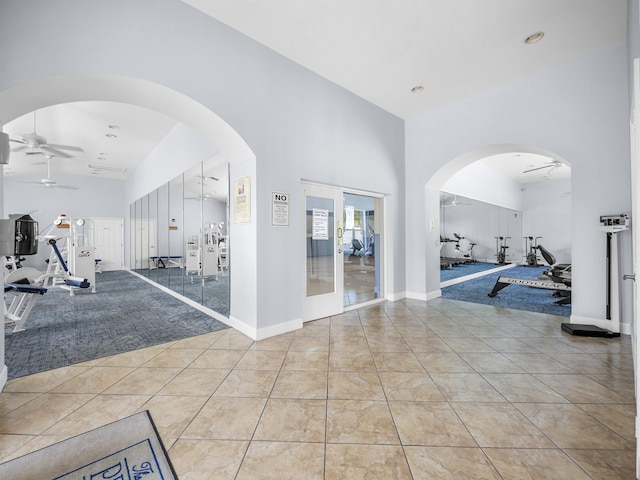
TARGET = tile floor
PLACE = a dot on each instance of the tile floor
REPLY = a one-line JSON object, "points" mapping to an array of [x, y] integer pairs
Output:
{"points": [[403, 390]]}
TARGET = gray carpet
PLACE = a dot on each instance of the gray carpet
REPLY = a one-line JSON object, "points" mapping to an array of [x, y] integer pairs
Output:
{"points": [[125, 314]]}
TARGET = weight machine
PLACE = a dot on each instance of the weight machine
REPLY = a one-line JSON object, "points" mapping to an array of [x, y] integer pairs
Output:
{"points": [[70, 252]]}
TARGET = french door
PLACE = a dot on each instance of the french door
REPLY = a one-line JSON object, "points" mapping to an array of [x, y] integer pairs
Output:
{"points": [[324, 280]]}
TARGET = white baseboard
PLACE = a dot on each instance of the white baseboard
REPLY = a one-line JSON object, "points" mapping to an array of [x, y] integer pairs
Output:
{"points": [[393, 297], [4, 375], [425, 297], [625, 328]]}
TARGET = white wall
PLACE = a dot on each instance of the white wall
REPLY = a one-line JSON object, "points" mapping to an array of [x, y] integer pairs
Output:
{"points": [[298, 125], [484, 183], [94, 197], [579, 111], [547, 213]]}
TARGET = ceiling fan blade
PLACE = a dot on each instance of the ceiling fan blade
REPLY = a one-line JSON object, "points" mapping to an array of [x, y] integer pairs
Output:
{"points": [[537, 168], [21, 147], [57, 153], [64, 147], [17, 141], [66, 187]]}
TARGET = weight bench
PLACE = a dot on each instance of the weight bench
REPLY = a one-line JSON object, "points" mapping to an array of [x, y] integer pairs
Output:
{"points": [[159, 260]]}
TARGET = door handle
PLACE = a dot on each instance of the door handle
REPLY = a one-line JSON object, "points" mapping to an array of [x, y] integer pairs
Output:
{"points": [[629, 277]]}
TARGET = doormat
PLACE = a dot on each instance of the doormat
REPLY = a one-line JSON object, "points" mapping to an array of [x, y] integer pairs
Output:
{"points": [[128, 449]]}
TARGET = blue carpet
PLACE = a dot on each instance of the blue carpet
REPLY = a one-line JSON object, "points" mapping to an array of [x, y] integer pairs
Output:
{"points": [[464, 270], [125, 314], [514, 296]]}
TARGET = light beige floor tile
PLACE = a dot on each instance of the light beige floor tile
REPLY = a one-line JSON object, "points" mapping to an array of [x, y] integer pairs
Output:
{"points": [[200, 341], [365, 462], [261, 360], [350, 331], [468, 345], [534, 464], [355, 386], [384, 343], [195, 381], [397, 362], [232, 341], [172, 414], [581, 389], [213, 358], [144, 381], [294, 384], [99, 411], [320, 327], [449, 463], [207, 459], [415, 387], [247, 383], [346, 344], [25, 444], [293, 420], [466, 387], [10, 401], [621, 384], [310, 343], [443, 362], [350, 361], [315, 361], [45, 381], [360, 421], [174, 357], [430, 423], [279, 342], [134, 358], [538, 363], [606, 464], [570, 427], [619, 418], [283, 461], [489, 362], [226, 419], [39, 414], [500, 425], [94, 380], [523, 388]]}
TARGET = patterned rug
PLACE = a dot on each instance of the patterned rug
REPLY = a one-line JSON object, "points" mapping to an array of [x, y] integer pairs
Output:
{"points": [[125, 314]]}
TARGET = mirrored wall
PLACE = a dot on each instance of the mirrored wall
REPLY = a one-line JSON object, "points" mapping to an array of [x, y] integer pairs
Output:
{"points": [[478, 229], [179, 236]]}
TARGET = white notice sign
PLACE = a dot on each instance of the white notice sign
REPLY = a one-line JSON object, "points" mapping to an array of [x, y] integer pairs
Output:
{"points": [[320, 224], [280, 209]]}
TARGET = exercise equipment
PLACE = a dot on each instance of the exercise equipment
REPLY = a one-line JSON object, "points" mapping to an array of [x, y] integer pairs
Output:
{"points": [[611, 225], [72, 253], [531, 247], [464, 248], [556, 278], [502, 245], [19, 236], [23, 287]]}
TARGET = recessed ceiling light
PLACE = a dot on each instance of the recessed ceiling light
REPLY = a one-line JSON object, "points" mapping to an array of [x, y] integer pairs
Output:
{"points": [[114, 127], [534, 38], [417, 89], [111, 135], [103, 154]]}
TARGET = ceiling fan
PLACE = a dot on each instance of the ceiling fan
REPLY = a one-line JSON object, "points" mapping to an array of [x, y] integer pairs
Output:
{"points": [[35, 144], [551, 166], [49, 182]]}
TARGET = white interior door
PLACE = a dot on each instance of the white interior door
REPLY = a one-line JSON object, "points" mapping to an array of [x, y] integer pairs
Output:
{"points": [[324, 281], [108, 241]]}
